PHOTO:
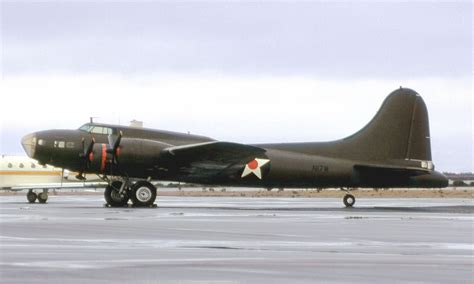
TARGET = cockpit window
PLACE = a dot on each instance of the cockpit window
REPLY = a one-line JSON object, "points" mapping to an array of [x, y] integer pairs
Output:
{"points": [[101, 130], [96, 129], [86, 127]]}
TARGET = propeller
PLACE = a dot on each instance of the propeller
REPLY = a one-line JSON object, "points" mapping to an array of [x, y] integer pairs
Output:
{"points": [[114, 144], [87, 151], [85, 155], [112, 151]]}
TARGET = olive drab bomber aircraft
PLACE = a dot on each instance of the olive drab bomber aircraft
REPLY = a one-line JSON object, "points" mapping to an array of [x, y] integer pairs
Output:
{"points": [[392, 150]]}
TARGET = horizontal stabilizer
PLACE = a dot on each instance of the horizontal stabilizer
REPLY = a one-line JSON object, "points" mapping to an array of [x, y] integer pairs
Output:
{"points": [[385, 175], [391, 169]]}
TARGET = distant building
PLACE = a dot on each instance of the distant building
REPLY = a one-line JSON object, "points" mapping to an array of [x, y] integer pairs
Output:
{"points": [[467, 178]]}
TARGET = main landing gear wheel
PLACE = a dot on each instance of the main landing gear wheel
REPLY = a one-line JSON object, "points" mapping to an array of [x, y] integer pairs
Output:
{"points": [[143, 194], [349, 200], [31, 196], [42, 197], [113, 197]]}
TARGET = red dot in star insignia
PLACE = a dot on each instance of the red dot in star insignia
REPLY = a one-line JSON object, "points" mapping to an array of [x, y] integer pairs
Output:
{"points": [[253, 165]]}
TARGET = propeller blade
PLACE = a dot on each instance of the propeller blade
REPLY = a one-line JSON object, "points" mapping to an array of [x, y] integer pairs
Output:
{"points": [[85, 155], [117, 142], [83, 142], [114, 144], [90, 148], [86, 151]]}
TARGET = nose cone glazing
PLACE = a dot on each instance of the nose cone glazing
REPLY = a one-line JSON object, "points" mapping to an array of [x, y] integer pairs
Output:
{"points": [[29, 144]]}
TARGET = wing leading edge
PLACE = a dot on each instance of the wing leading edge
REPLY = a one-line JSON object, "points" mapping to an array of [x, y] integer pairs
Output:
{"points": [[210, 159]]}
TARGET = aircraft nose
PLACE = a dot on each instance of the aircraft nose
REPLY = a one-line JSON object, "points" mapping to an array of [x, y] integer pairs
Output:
{"points": [[29, 144]]}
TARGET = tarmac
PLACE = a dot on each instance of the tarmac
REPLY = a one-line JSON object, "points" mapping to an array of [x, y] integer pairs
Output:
{"points": [[74, 239]]}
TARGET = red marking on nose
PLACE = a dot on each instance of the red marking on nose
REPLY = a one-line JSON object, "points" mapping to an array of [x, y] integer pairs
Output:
{"points": [[91, 156], [253, 165]]}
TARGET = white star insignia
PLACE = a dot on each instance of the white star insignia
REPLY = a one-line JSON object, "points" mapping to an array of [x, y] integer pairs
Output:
{"points": [[254, 167]]}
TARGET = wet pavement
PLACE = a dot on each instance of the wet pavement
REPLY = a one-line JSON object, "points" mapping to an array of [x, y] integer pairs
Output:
{"points": [[74, 239]]}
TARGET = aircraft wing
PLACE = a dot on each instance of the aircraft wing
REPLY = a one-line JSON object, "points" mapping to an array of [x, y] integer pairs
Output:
{"points": [[210, 158]]}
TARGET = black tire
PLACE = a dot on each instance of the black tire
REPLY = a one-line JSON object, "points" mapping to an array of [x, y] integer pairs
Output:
{"points": [[31, 197], [143, 194], [42, 197], [349, 200], [112, 196]]}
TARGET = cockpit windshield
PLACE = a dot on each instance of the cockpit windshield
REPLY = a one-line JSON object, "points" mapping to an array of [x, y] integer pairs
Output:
{"points": [[96, 129], [86, 127]]}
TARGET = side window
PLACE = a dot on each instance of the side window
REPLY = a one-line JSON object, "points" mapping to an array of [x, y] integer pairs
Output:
{"points": [[97, 130], [101, 130], [41, 142], [10, 165], [69, 144], [22, 166], [59, 144]]}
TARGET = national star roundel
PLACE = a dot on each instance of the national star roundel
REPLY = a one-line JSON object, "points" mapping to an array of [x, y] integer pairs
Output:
{"points": [[255, 167]]}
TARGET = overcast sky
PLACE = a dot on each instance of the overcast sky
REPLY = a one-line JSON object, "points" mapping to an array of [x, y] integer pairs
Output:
{"points": [[246, 72]]}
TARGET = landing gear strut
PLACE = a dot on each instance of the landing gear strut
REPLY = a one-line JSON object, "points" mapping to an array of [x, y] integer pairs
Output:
{"points": [[348, 199], [115, 195], [142, 194]]}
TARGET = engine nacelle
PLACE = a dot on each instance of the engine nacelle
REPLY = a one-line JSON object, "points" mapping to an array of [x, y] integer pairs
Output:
{"points": [[132, 155]]}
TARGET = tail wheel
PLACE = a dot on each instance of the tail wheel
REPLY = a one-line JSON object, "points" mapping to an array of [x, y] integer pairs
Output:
{"points": [[143, 193], [31, 197], [113, 197], [349, 200], [42, 197]]}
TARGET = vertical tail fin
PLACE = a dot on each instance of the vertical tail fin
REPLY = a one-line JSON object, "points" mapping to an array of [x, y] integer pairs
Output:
{"points": [[399, 130]]}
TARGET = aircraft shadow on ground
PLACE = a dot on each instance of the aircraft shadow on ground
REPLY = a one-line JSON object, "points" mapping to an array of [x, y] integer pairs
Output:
{"points": [[461, 209]]}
